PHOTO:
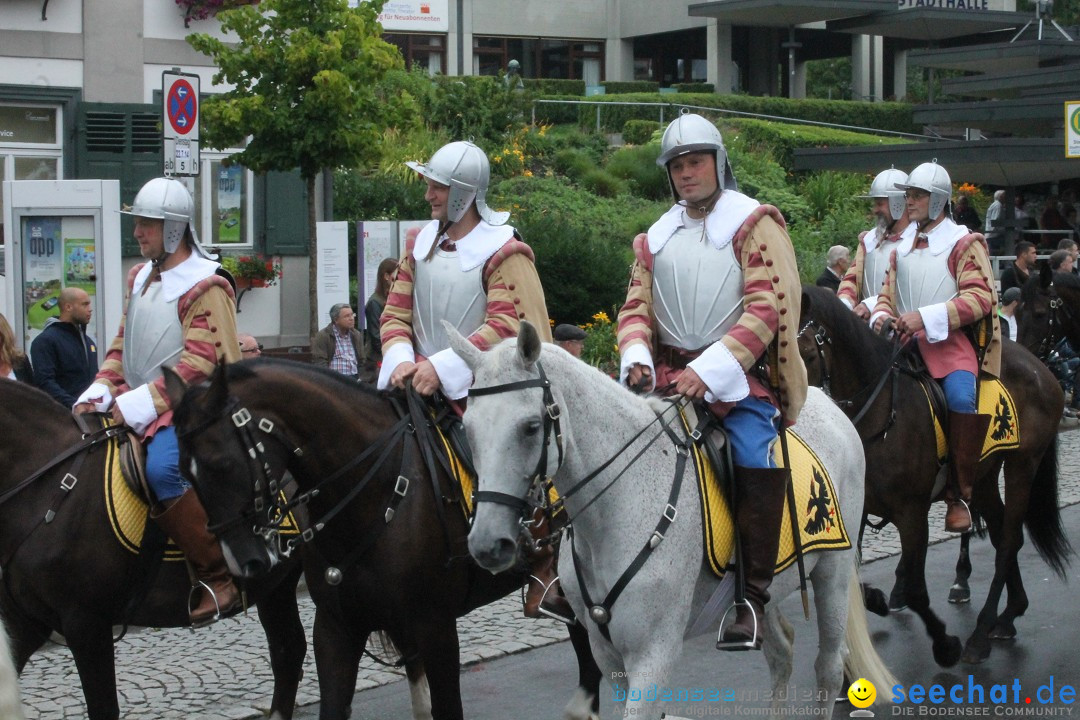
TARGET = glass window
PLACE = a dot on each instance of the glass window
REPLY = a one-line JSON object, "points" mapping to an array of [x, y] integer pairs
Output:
{"points": [[425, 51], [223, 204]]}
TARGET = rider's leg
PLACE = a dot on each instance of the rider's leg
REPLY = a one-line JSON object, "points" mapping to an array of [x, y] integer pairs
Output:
{"points": [[184, 520], [542, 595], [760, 489], [967, 433]]}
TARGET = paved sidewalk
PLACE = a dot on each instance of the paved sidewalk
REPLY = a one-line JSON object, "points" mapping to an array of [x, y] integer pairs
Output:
{"points": [[223, 673]]}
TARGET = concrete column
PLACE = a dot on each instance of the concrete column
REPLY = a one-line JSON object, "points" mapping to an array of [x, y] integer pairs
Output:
{"points": [[900, 74], [113, 50], [877, 67], [798, 82], [761, 75], [721, 70], [618, 52], [860, 66]]}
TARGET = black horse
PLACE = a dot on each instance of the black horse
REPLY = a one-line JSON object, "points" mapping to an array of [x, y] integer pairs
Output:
{"points": [[65, 570], [894, 420], [1049, 311], [387, 539]]}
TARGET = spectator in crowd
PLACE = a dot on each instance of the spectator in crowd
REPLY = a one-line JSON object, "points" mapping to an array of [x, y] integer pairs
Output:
{"points": [[1017, 274], [249, 346], [837, 261], [570, 338], [995, 235], [339, 346], [1010, 301], [1061, 261], [374, 307], [64, 356], [14, 365], [964, 214], [1071, 220], [1051, 217]]}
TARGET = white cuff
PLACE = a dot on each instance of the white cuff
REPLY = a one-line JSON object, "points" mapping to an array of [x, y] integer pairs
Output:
{"points": [[636, 354], [874, 317], [138, 408], [935, 321], [394, 356], [870, 302], [722, 373], [455, 377], [846, 302], [98, 395]]}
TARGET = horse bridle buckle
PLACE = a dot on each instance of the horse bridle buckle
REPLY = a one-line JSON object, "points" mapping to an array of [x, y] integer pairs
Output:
{"points": [[241, 417]]}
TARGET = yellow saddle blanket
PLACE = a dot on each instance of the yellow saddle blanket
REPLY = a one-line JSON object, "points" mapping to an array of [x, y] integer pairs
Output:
{"points": [[127, 512], [1004, 431], [821, 527]]}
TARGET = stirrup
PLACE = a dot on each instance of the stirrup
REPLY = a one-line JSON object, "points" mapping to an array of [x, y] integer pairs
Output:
{"points": [[754, 643], [546, 612], [967, 509], [192, 605]]}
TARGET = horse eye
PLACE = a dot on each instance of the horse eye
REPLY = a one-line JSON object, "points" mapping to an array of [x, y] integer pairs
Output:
{"points": [[532, 427]]}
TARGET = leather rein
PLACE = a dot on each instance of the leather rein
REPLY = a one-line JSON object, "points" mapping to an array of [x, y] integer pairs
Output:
{"points": [[1055, 329], [599, 612]]}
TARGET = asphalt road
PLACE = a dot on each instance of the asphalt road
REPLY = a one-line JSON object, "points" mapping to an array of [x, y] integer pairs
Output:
{"points": [[535, 685]]}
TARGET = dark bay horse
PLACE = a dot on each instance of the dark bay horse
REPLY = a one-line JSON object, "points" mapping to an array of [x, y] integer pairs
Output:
{"points": [[1049, 311], [902, 464], [64, 569], [386, 548]]}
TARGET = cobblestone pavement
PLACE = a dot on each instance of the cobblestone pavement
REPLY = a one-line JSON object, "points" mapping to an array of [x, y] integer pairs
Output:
{"points": [[223, 673]]}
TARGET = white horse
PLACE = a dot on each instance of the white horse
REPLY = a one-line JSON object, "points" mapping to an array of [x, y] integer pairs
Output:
{"points": [[511, 436], [10, 705]]}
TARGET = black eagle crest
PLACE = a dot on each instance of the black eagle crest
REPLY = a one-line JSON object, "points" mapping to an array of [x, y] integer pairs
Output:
{"points": [[1003, 420], [819, 507]]}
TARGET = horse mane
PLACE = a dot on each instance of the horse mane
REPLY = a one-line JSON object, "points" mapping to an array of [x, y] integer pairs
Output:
{"points": [[851, 332], [249, 369], [31, 400]]}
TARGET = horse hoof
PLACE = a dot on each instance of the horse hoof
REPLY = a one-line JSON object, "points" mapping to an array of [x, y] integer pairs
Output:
{"points": [[976, 653], [959, 595], [897, 601], [875, 602], [1003, 632], [947, 653]]}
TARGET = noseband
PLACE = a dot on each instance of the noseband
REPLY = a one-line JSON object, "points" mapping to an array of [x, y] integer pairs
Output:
{"points": [[1055, 330], [552, 426]]}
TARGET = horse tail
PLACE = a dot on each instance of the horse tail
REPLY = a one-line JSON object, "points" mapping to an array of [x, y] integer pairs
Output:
{"points": [[10, 705], [1043, 517], [862, 660]]}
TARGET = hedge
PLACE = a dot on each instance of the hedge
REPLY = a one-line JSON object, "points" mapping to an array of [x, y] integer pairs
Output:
{"points": [[555, 87], [695, 88], [617, 87], [879, 115], [784, 138], [557, 114], [639, 132]]}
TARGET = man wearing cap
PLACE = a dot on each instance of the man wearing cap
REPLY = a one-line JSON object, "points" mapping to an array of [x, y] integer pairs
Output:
{"points": [[861, 284], [1010, 300], [570, 338], [937, 285], [713, 288], [471, 269], [180, 313]]}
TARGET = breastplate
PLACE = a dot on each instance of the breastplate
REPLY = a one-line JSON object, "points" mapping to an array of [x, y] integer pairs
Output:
{"points": [[875, 265], [697, 290], [441, 291], [153, 336], [923, 279]]}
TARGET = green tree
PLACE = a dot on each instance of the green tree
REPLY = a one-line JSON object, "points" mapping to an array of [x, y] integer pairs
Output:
{"points": [[304, 75]]}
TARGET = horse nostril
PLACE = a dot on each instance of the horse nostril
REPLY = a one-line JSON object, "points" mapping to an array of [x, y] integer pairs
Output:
{"points": [[505, 547]]}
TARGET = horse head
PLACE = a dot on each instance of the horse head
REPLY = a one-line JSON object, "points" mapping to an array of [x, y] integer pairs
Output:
{"points": [[512, 426], [238, 489], [1049, 311]]}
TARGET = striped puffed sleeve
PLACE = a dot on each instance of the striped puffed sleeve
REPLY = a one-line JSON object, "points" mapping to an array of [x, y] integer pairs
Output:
{"points": [[514, 294], [850, 291], [976, 298], [395, 323], [635, 316], [886, 299]]}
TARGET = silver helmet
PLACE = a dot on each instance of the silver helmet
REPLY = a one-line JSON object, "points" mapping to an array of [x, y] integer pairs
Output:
{"points": [[464, 168], [932, 178], [167, 199], [886, 185], [689, 133]]}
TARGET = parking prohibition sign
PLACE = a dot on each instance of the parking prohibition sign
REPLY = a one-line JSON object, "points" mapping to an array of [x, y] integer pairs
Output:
{"points": [[180, 131]]}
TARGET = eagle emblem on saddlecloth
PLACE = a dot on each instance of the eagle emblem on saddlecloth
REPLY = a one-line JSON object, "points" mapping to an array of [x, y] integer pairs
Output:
{"points": [[819, 508]]}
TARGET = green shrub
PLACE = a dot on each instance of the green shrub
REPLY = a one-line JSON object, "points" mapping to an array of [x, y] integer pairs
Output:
{"points": [[573, 163], [761, 177], [784, 138], [600, 182], [548, 86], [556, 113], [637, 164], [639, 132], [367, 196], [476, 106], [620, 87], [694, 88], [828, 192]]}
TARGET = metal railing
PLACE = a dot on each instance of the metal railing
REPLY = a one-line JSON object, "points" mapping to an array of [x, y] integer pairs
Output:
{"points": [[661, 106]]}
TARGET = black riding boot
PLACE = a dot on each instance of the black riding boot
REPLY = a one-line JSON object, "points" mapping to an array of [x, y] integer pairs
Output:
{"points": [[759, 508], [967, 433]]}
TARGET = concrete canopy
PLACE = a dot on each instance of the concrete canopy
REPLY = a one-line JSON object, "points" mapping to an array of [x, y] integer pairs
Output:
{"points": [[1004, 162], [1013, 83], [1025, 116], [784, 13], [1001, 57], [927, 23]]}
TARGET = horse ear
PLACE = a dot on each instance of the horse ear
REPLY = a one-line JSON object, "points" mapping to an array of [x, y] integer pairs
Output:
{"points": [[175, 387], [468, 352], [807, 306], [218, 394], [528, 343]]}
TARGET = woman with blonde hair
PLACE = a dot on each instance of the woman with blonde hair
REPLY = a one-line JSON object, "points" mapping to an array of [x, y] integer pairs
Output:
{"points": [[14, 364]]}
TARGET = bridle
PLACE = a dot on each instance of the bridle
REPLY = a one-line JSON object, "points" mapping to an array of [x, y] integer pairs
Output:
{"points": [[1055, 329], [599, 612]]}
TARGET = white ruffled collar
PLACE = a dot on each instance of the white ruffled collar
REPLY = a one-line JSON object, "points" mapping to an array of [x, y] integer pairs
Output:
{"points": [[941, 239], [178, 280], [473, 250], [721, 224]]}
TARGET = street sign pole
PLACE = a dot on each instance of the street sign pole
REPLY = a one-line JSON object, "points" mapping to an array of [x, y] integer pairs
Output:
{"points": [[180, 126]]}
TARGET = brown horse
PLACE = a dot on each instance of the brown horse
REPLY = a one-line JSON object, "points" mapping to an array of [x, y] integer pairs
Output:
{"points": [[1049, 312], [894, 419], [387, 540], [65, 571]]}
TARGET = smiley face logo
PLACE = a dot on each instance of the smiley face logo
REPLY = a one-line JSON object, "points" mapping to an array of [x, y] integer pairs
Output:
{"points": [[862, 693]]}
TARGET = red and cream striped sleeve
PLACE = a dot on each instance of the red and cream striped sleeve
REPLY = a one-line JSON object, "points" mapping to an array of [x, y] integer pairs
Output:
{"points": [[635, 316], [969, 262], [395, 323], [886, 302], [514, 294], [849, 290]]}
